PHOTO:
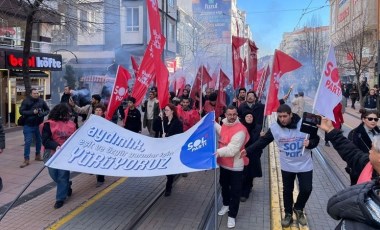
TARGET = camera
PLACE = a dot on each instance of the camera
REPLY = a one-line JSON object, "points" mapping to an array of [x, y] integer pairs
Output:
{"points": [[310, 122], [311, 118]]}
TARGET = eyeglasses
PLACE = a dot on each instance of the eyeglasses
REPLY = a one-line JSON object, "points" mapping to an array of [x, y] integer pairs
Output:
{"points": [[372, 118]]}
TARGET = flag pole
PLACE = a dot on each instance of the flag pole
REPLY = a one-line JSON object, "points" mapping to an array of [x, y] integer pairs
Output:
{"points": [[200, 93], [266, 100], [23, 190], [319, 86]]}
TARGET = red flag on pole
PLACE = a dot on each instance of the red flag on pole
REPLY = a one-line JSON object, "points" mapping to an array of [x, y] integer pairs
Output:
{"points": [[258, 79], [252, 62], [263, 80], [135, 66], [221, 99], [179, 85], [237, 62], [202, 76], [214, 76], [162, 82], [119, 91], [147, 68], [154, 17], [282, 64]]}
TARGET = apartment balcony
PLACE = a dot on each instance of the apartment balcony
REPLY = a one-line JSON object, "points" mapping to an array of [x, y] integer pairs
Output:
{"points": [[18, 44]]}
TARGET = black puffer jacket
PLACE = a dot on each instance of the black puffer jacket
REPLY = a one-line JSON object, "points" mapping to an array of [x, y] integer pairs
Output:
{"points": [[28, 105], [353, 206], [348, 151]]}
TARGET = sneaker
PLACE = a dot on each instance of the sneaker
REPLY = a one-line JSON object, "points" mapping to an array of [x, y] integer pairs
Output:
{"points": [[24, 164], [38, 157], [58, 204], [327, 144], [99, 183], [288, 219], [223, 210], [243, 199], [301, 218], [230, 222]]}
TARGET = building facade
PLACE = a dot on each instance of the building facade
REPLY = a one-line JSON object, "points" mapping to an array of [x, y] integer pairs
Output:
{"points": [[354, 33], [42, 62]]}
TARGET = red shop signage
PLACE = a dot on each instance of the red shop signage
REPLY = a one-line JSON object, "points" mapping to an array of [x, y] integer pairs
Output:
{"points": [[37, 61]]}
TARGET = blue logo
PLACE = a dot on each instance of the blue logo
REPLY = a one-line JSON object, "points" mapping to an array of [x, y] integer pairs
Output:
{"points": [[198, 151]]}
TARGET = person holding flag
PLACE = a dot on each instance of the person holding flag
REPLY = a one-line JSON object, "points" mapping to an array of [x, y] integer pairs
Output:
{"points": [[293, 160], [188, 116]]}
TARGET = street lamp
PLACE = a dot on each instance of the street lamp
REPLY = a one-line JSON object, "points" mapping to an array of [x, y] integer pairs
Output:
{"points": [[76, 58]]}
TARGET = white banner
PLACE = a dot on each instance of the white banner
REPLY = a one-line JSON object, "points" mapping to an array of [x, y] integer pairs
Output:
{"points": [[104, 148], [329, 92]]}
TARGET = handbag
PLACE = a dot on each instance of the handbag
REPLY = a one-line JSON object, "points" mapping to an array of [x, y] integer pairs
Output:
{"points": [[21, 121]]}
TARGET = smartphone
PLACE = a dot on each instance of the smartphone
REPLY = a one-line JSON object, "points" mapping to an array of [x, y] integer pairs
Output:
{"points": [[312, 118]]}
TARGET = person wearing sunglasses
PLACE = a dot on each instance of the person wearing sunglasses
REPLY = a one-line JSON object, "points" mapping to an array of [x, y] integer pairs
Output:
{"points": [[362, 136]]}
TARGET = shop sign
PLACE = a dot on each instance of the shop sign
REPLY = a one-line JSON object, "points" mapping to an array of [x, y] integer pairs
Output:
{"points": [[37, 61]]}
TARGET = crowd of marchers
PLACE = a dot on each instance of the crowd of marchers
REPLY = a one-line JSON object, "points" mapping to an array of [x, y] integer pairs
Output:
{"points": [[241, 140]]}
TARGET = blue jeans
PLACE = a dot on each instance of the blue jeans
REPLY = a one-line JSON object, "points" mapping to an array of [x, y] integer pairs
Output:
{"points": [[29, 132], [62, 179]]}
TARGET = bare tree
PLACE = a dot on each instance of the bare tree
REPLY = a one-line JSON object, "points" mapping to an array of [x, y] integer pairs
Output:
{"points": [[197, 42], [356, 49], [49, 12], [314, 46]]}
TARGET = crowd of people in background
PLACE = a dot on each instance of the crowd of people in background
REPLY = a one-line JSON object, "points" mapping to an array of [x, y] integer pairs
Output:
{"points": [[241, 138]]}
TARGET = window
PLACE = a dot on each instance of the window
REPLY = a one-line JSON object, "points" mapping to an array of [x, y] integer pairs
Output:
{"points": [[83, 19], [171, 35], [91, 20], [132, 19]]}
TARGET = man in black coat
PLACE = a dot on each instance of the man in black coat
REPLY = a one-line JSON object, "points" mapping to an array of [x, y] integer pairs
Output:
{"points": [[253, 105], [34, 109], [133, 122]]}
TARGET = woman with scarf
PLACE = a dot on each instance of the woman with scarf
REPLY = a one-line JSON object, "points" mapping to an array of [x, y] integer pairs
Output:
{"points": [[253, 169]]}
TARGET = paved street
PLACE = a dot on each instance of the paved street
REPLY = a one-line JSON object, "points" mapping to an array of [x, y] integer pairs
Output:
{"points": [[120, 200]]}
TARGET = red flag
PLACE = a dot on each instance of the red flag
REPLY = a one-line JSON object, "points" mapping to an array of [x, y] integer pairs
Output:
{"points": [[179, 85], [263, 79], [252, 62], [148, 68], [238, 41], [282, 64], [214, 76], [119, 91], [221, 99], [258, 78], [202, 76], [237, 62], [135, 66], [154, 17], [162, 82]]}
